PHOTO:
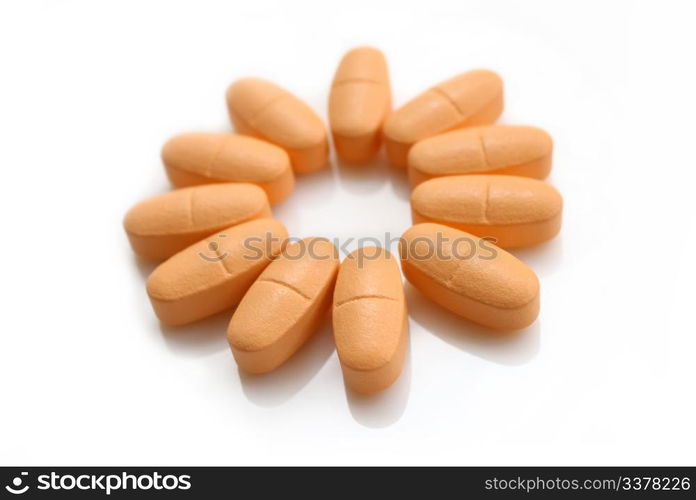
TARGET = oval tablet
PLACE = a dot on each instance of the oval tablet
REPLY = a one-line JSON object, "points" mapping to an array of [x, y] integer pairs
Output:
{"points": [[162, 226], [472, 98], [470, 276], [203, 158], [285, 305], [213, 274], [260, 108], [495, 149], [370, 320], [359, 102], [516, 211]]}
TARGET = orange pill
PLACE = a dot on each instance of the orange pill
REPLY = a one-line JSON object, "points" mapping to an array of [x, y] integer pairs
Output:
{"points": [[359, 102], [470, 276], [285, 305], [260, 108], [370, 320], [164, 225], [514, 211], [203, 158], [493, 149], [472, 98], [213, 274]]}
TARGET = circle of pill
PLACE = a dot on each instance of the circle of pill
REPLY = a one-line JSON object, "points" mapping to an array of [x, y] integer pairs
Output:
{"points": [[350, 146]]}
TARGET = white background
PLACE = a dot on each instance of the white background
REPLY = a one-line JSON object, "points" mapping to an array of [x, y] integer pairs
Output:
{"points": [[89, 91]]}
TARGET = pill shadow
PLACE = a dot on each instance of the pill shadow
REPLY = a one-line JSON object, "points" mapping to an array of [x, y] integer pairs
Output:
{"points": [[144, 266], [544, 259], [202, 338], [505, 348], [322, 179], [310, 189], [275, 388], [361, 178], [399, 182], [386, 407]]}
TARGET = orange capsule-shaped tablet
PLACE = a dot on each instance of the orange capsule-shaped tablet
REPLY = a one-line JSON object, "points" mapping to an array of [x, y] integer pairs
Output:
{"points": [[493, 149], [260, 108], [359, 102], [213, 274], [472, 98], [514, 211], [164, 225], [203, 158], [285, 305], [470, 276], [370, 320]]}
